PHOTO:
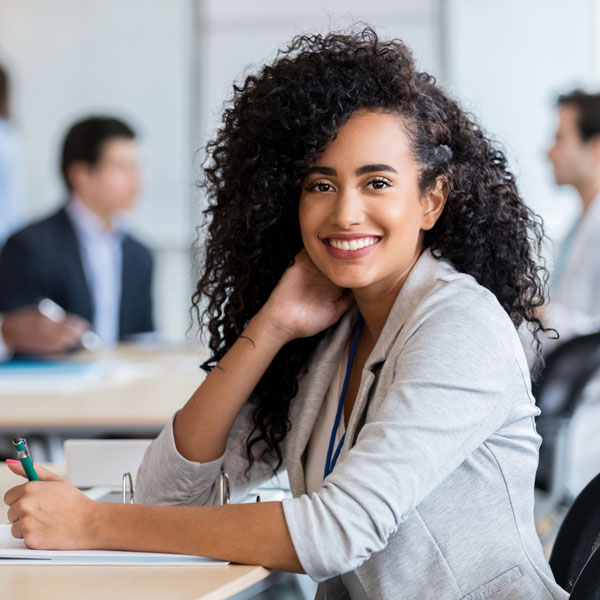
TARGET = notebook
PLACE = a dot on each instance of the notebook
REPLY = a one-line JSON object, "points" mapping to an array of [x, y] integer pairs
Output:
{"points": [[14, 552]]}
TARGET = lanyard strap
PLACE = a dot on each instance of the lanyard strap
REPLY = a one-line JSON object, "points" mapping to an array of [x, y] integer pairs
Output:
{"points": [[331, 460]]}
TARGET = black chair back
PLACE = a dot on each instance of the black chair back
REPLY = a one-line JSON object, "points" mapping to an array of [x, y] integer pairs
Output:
{"points": [[578, 537], [567, 371], [588, 583]]}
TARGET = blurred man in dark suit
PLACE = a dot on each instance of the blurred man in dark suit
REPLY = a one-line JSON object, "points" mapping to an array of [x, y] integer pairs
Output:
{"points": [[80, 258]]}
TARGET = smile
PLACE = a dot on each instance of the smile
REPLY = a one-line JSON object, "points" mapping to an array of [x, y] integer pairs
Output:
{"points": [[354, 248], [352, 244]]}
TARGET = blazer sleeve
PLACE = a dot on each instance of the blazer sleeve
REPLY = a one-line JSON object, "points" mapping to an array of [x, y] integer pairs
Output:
{"points": [[149, 318], [448, 396], [19, 281], [166, 477]]}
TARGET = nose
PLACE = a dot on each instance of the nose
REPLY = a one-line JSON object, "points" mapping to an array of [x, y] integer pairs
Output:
{"points": [[348, 209]]}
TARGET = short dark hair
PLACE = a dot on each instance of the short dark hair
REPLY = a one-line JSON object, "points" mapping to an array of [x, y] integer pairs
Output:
{"points": [[588, 107], [4, 89], [84, 140]]}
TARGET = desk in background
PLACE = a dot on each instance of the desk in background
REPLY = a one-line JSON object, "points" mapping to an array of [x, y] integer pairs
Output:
{"points": [[147, 387]]}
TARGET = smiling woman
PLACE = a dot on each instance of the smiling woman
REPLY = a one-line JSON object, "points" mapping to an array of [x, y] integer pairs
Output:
{"points": [[362, 214], [368, 260]]}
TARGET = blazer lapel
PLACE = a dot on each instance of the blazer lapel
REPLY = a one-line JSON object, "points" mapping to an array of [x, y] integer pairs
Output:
{"points": [[417, 285], [312, 389], [313, 386], [72, 265]]}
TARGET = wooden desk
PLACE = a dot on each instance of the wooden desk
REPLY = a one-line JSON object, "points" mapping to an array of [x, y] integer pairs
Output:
{"points": [[66, 582], [143, 404]]}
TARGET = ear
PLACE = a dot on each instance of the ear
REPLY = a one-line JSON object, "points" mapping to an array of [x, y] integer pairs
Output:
{"points": [[593, 145], [78, 174], [433, 202]]}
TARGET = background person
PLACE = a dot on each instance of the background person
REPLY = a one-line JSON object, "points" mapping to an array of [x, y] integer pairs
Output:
{"points": [[80, 257], [574, 306]]}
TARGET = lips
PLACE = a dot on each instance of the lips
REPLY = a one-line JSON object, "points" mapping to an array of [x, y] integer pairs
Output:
{"points": [[350, 246]]}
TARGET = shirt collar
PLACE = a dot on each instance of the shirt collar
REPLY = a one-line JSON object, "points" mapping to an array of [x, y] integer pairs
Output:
{"points": [[87, 222]]}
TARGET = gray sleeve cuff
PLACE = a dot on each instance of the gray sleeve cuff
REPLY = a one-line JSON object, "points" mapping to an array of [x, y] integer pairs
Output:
{"points": [[166, 477]]}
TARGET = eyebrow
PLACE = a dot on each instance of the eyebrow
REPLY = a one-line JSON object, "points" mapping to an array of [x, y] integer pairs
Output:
{"points": [[360, 171]]}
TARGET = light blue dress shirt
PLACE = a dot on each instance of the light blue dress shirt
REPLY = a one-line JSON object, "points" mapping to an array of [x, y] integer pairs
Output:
{"points": [[102, 257]]}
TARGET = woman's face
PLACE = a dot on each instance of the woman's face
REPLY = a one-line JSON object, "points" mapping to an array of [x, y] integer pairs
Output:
{"points": [[361, 212]]}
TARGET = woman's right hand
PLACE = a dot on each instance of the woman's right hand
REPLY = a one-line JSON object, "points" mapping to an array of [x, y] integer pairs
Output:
{"points": [[304, 302]]}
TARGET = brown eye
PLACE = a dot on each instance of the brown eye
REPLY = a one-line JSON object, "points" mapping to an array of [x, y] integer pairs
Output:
{"points": [[379, 183], [319, 186]]}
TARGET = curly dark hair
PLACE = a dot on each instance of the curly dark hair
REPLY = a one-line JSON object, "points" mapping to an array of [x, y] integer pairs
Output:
{"points": [[278, 122]]}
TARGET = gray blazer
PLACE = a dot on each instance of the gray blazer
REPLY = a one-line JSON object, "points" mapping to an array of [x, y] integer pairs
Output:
{"points": [[432, 496]]}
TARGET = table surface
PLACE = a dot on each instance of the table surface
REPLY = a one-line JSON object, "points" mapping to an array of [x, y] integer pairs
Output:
{"points": [[159, 383], [65, 582]]}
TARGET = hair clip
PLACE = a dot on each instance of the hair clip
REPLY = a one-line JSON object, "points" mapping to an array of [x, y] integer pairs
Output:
{"points": [[442, 153]]}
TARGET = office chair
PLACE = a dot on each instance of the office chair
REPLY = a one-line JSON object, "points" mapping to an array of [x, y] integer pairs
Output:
{"points": [[567, 372], [588, 583], [578, 538]]}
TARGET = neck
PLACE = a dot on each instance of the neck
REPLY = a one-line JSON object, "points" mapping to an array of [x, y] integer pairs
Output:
{"points": [[587, 191], [106, 216], [375, 302]]}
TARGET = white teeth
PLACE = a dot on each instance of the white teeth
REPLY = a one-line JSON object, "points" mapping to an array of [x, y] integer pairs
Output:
{"points": [[352, 244]]}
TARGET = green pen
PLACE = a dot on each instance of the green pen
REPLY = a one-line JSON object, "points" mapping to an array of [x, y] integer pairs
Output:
{"points": [[20, 445]]}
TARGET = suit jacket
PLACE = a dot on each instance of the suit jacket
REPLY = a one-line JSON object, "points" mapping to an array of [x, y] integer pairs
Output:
{"points": [[432, 495], [43, 261]]}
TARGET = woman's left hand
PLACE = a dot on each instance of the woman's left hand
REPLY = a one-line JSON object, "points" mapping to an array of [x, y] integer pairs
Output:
{"points": [[49, 514]]}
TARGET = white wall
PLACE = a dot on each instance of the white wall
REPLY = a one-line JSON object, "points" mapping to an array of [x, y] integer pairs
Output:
{"points": [[507, 61], [135, 59], [237, 36]]}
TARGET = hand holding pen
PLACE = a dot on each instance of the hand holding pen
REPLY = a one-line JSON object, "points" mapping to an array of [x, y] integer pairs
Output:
{"points": [[20, 446], [51, 514], [88, 339], [43, 330]]}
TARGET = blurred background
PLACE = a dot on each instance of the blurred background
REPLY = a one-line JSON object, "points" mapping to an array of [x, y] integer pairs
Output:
{"points": [[168, 66]]}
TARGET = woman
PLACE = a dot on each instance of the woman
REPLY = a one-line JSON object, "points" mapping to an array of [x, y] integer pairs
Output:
{"points": [[368, 260]]}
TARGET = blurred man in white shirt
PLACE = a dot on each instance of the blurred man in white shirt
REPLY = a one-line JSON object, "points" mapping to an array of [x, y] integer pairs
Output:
{"points": [[574, 306]]}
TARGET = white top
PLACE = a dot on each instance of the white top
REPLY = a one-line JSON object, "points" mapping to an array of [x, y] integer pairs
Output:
{"points": [[574, 308], [316, 453], [102, 258]]}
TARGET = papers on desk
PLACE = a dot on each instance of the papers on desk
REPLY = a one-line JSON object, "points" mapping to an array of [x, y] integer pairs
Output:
{"points": [[24, 376], [13, 552]]}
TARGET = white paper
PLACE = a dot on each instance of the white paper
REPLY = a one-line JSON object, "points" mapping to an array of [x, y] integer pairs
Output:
{"points": [[14, 551]]}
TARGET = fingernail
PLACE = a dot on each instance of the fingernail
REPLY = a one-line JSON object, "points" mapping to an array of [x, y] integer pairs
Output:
{"points": [[14, 462]]}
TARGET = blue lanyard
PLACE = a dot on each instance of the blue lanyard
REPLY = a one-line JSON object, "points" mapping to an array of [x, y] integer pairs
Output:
{"points": [[330, 462]]}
